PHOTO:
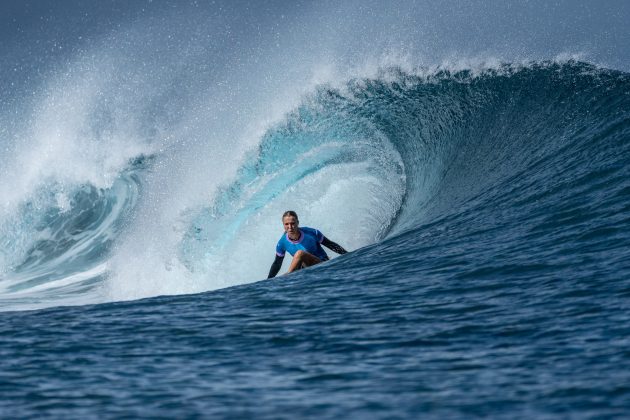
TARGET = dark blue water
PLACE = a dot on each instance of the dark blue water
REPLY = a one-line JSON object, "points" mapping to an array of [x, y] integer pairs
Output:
{"points": [[487, 210], [504, 292]]}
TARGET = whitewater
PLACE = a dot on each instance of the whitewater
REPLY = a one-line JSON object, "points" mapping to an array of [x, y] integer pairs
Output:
{"points": [[149, 150]]}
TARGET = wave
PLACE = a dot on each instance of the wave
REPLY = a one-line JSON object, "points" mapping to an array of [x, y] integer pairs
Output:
{"points": [[367, 161]]}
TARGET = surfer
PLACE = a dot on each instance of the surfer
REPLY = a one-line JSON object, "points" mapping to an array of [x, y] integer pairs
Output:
{"points": [[303, 243]]}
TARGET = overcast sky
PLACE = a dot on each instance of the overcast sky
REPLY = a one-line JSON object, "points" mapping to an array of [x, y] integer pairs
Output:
{"points": [[39, 35]]}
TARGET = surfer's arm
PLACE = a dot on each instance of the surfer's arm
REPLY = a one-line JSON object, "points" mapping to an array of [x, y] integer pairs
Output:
{"points": [[333, 246], [275, 267]]}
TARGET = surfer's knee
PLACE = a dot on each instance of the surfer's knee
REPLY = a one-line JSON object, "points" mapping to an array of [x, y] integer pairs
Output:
{"points": [[299, 254]]}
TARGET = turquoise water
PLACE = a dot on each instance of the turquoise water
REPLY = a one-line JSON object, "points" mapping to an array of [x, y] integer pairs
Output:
{"points": [[486, 209]]}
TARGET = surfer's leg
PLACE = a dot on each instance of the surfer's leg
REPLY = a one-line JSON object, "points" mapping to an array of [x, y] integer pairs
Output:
{"points": [[302, 259]]}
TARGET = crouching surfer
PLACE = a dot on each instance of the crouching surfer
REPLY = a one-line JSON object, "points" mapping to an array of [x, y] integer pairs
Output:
{"points": [[303, 243]]}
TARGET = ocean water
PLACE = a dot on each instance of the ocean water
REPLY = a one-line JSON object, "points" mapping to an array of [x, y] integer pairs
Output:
{"points": [[485, 202]]}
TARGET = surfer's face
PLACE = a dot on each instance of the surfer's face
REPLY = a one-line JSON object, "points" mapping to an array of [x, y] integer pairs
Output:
{"points": [[290, 225]]}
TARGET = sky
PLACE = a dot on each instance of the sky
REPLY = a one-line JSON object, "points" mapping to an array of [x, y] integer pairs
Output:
{"points": [[41, 39], [36, 31]]}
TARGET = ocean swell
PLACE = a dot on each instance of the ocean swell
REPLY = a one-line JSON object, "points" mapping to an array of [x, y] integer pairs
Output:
{"points": [[367, 161]]}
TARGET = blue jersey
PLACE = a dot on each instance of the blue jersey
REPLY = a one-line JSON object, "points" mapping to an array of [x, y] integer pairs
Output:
{"points": [[310, 241]]}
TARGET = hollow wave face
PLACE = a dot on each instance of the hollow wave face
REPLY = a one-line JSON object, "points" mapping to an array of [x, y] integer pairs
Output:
{"points": [[371, 161], [339, 171]]}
